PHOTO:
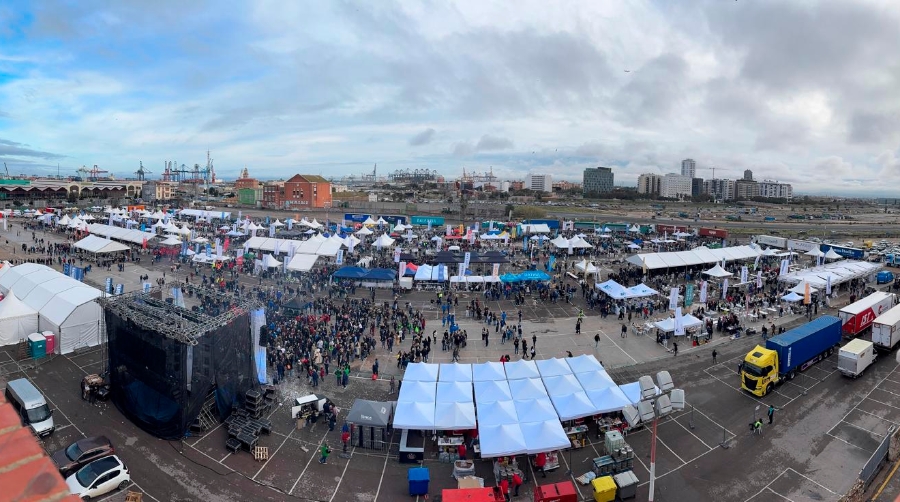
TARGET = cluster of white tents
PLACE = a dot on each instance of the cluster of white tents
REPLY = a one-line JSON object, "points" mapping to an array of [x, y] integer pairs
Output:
{"points": [[38, 298], [131, 235], [576, 242], [517, 407], [698, 256], [838, 272], [619, 292]]}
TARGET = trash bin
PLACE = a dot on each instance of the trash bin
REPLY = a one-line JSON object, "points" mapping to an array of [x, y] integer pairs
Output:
{"points": [[418, 480], [604, 489], [627, 483]]}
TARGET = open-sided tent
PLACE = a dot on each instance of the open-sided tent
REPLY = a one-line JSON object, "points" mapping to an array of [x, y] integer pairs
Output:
{"points": [[501, 440], [455, 372], [383, 241], [553, 367], [350, 272], [572, 406], [488, 371], [718, 272], [640, 291], [543, 436], [613, 289], [370, 413], [454, 416], [608, 399], [792, 297], [516, 370], [421, 372], [414, 415], [527, 388], [454, 392], [668, 325], [497, 413], [584, 363], [17, 320], [269, 261], [800, 288], [489, 391], [595, 380], [302, 262], [96, 245]]}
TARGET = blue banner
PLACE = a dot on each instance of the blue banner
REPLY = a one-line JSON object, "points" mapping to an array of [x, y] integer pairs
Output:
{"points": [[120, 288], [208, 251], [66, 268], [78, 274], [109, 285]]}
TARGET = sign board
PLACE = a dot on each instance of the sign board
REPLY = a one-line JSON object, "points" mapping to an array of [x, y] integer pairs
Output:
{"points": [[427, 220], [768, 240], [357, 217], [852, 253], [795, 245]]}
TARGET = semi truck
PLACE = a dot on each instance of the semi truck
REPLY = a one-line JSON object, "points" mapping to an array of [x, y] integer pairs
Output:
{"points": [[855, 357], [784, 355], [858, 316], [886, 329]]}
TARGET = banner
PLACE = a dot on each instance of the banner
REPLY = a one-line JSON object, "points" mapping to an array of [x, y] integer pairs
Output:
{"points": [[828, 285], [725, 290], [703, 292], [571, 248], [146, 287], [402, 268], [785, 267], [442, 272], [271, 229], [673, 298], [806, 294], [120, 288], [461, 271], [466, 259], [744, 274], [551, 262], [396, 255], [679, 322], [109, 285], [525, 245], [208, 251], [449, 231], [240, 214], [688, 295], [759, 283], [339, 259], [495, 272], [78, 274]]}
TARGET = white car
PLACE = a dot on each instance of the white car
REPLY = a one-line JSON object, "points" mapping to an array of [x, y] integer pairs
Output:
{"points": [[99, 477]]}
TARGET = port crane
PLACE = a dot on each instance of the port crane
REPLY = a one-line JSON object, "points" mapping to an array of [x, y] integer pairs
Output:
{"points": [[141, 172]]}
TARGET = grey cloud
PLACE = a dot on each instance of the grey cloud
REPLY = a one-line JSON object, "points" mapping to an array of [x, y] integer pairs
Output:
{"points": [[489, 143], [14, 149], [423, 138], [873, 127], [783, 136], [463, 149], [592, 149], [654, 90]]}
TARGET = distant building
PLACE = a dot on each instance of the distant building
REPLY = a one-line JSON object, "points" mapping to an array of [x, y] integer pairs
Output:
{"points": [[719, 190], [696, 187], [564, 185], [648, 183], [598, 180], [775, 190], [746, 188], [675, 186], [689, 168], [158, 190], [539, 182], [516, 185], [748, 175]]}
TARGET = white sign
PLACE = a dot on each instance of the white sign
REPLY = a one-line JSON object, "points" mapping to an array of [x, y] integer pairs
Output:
{"points": [[673, 298], [796, 245], [396, 255]]}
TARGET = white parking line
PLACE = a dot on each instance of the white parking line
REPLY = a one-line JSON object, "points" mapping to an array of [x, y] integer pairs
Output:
{"points": [[314, 453], [811, 480], [880, 402], [617, 345], [847, 442], [273, 455]]}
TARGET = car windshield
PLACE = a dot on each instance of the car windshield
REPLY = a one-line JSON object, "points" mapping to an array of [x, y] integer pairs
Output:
{"points": [[86, 475], [73, 452], [753, 370], [40, 414]]}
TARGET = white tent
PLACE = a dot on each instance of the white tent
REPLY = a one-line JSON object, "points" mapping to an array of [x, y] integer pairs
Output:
{"points": [[584, 363], [384, 241], [171, 241], [522, 368], [814, 252], [800, 288], [455, 372], [501, 440], [608, 399], [668, 325], [560, 242], [65, 220], [421, 372], [269, 261], [414, 415], [65, 306], [527, 388], [97, 245], [488, 371], [454, 392], [381, 221], [572, 406], [364, 231], [17, 320], [538, 228], [595, 380], [453, 416], [498, 413], [561, 384], [613, 289], [792, 297], [302, 262], [535, 409], [718, 272], [490, 391], [632, 391], [544, 436], [418, 392], [553, 367], [831, 255], [370, 221]]}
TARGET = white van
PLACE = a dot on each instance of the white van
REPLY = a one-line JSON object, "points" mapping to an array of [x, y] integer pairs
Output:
{"points": [[31, 406]]}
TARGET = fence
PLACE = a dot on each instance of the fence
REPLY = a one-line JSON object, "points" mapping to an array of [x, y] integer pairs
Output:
{"points": [[869, 470]]}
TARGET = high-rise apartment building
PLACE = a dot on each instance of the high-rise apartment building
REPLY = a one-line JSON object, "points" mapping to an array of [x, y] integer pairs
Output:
{"points": [[748, 175], [675, 186], [689, 168], [775, 190], [746, 188], [648, 183], [539, 182], [598, 180], [719, 190]]}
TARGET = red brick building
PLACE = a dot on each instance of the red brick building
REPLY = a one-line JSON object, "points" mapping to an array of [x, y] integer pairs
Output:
{"points": [[301, 191]]}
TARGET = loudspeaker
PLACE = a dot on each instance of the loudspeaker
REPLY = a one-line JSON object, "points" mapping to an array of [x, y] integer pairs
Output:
{"points": [[263, 336]]}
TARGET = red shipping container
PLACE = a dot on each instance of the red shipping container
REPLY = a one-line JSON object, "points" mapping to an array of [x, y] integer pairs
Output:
{"points": [[557, 492], [720, 233], [670, 229]]}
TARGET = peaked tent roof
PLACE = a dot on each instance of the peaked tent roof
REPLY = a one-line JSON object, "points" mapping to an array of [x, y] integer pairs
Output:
{"points": [[527, 388], [718, 271], [516, 370], [488, 371], [490, 391], [584, 363], [370, 413], [608, 400], [414, 415], [421, 372], [501, 440], [547, 435], [498, 413], [11, 307], [95, 244], [454, 416]]}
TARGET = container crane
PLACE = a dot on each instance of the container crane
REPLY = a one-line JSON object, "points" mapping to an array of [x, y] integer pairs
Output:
{"points": [[141, 172], [95, 172]]}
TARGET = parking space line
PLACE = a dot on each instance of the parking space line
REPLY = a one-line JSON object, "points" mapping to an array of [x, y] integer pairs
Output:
{"points": [[778, 494], [845, 441], [209, 457], [876, 416], [858, 427], [889, 380], [341, 480], [617, 346], [141, 488], [383, 469], [314, 453], [880, 402], [692, 434], [889, 392], [273, 455], [670, 449]]}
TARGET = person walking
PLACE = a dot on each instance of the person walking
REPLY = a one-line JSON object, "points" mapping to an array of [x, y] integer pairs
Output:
{"points": [[392, 385], [324, 451], [624, 330], [757, 426], [532, 352], [714, 354], [674, 349], [345, 439], [540, 460], [596, 340], [771, 414], [375, 369], [517, 482], [504, 489]]}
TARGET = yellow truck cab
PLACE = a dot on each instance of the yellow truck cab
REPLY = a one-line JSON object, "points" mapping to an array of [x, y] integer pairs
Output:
{"points": [[759, 372]]}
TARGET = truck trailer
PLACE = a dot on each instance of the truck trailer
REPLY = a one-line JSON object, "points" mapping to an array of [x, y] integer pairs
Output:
{"points": [[886, 329], [858, 316], [855, 357], [786, 354]]}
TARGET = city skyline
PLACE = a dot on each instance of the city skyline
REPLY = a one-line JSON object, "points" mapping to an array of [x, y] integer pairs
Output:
{"points": [[334, 88]]}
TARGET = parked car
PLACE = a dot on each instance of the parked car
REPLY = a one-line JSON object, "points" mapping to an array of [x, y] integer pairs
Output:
{"points": [[80, 453], [99, 478]]}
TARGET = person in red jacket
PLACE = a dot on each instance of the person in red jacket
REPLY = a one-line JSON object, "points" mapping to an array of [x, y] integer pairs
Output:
{"points": [[540, 461], [517, 482], [504, 489], [461, 449], [345, 438]]}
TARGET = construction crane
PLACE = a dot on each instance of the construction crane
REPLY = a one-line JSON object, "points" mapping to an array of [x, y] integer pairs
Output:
{"points": [[95, 173], [7, 171], [141, 172], [83, 173]]}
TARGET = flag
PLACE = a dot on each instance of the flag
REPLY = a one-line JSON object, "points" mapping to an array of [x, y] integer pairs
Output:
{"points": [[571, 247], [806, 294], [350, 247], [271, 229], [449, 231], [462, 270], [759, 283], [208, 251], [525, 244], [744, 274], [240, 213], [339, 259], [429, 225], [402, 268], [756, 262], [688, 295], [495, 271], [785, 267], [725, 290], [227, 243], [397, 255], [828, 285], [551, 262], [673, 298], [144, 243], [679, 322]]}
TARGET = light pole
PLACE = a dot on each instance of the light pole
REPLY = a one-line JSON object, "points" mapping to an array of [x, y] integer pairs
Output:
{"points": [[657, 401]]}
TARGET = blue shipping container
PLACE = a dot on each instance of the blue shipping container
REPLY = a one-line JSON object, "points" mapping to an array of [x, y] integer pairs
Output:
{"points": [[393, 219], [356, 217], [805, 342], [852, 253], [436, 221], [553, 224]]}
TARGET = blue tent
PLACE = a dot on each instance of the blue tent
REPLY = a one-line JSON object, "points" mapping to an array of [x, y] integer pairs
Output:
{"points": [[509, 278], [350, 273], [534, 275], [380, 274]]}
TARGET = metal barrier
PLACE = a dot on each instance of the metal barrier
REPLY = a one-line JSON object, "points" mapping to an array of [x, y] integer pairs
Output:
{"points": [[868, 472]]}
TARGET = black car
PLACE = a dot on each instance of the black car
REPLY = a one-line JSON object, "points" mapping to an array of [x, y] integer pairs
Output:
{"points": [[81, 453]]}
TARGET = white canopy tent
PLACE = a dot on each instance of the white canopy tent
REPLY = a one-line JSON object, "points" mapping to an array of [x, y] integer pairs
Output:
{"points": [[489, 371], [414, 415], [584, 364], [520, 369], [270, 261], [453, 416], [718, 272], [97, 245], [302, 262], [421, 372], [668, 325], [455, 372], [697, 256], [65, 306], [17, 320], [364, 231], [490, 391], [539, 228], [608, 399], [383, 241], [543, 436], [120, 234]]}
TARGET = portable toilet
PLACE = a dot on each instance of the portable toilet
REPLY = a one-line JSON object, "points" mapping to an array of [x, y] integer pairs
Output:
{"points": [[51, 341], [604, 489], [418, 481], [37, 345]]}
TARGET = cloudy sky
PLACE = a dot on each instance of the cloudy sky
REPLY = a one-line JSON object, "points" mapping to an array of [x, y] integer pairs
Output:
{"points": [[803, 92]]}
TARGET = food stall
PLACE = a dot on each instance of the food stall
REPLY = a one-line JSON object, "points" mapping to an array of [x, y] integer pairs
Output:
{"points": [[577, 435], [308, 409], [369, 424]]}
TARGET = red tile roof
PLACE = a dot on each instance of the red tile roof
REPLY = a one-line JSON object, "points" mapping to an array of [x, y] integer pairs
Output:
{"points": [[26, 473]]}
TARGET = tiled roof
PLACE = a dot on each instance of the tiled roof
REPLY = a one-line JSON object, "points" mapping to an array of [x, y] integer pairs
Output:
{"points": [[26, 473]]}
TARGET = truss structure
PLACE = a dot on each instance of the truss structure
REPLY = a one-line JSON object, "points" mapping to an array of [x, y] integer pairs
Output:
{"points": [[177, 323]]}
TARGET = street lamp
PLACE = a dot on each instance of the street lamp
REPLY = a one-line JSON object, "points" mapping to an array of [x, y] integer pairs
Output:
{"points": [[657, 401]]}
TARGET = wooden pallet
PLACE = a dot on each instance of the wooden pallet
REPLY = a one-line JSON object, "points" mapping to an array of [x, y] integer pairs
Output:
{"points": [[134, 497], [261, 453]]}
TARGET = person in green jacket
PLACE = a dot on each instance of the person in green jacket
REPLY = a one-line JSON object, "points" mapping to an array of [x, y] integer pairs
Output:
{"points": [[325, 450]]}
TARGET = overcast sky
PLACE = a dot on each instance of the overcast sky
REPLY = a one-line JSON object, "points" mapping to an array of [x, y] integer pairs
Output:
{"points": [[803, 92]]}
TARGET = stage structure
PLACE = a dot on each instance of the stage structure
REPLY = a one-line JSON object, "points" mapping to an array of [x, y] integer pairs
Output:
{"points": [[172, 368]]}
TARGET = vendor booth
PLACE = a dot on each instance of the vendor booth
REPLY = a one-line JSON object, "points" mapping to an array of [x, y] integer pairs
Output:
{"points": [[369, 424]]}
